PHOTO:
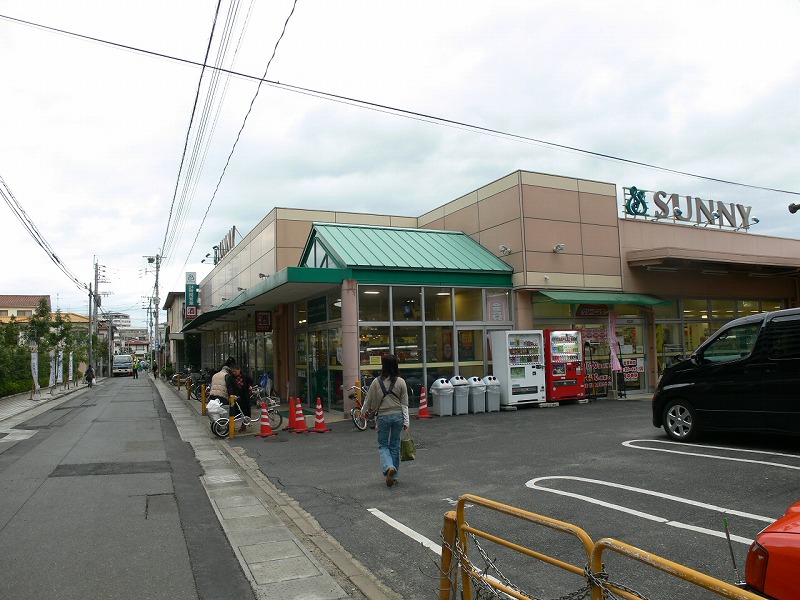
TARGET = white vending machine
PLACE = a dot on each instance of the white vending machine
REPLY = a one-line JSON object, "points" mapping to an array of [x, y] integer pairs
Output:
{"points": [[518, 363]]}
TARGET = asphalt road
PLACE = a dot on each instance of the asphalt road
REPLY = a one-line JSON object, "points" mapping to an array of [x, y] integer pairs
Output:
{"points": [[673, 504], [103, 500]]}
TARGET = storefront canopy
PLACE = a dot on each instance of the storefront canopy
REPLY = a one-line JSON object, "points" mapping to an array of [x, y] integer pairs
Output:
{"points": [[604, 298]]}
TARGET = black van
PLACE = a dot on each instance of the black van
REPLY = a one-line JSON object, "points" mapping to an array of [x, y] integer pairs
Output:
{"points": [[745, 377]]}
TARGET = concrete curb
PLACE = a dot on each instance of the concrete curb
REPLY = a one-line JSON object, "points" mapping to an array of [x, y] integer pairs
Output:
{"points": [[352, 578]]}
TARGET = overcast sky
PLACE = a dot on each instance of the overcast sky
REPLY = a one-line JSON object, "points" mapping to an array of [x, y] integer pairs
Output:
{"points": [[92, 136]]}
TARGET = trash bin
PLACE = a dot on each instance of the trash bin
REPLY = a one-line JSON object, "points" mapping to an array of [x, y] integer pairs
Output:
{"points": [[492, 393], [477, 395], [442, 397], [460, 394]]}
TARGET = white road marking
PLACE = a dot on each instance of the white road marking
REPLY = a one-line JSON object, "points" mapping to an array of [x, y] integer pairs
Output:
{"points": [[418, 537], [16, 435], [533, 484], [630, 444]]}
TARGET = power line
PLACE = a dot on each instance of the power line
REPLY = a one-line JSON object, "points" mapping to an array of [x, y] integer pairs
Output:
{"points": [[409, 113], [34, 232]]}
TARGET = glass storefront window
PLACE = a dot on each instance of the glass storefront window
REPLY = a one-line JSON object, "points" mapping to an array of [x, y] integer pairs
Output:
{"points": [[335, 374], [498, 305], [667, 311], [414, 381], [335, 306], [406, 303], [408, 344], [438, 304], [768, 305], [747, 307], [373, 303], [628, 311], [669, 346], [694, 334], [695, 309], [318, 367], [301, 376], [469, 304], [470, 345], [439, 353], [301, 311], [722, 310], [550, 309], [470, 352], [373, 343]]}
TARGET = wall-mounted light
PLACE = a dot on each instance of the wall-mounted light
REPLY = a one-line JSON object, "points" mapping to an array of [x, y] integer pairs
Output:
{"points": [[224, 299], [238, 289], [713, 272], [262, 276], [678, 212], [504, 250], [662, 269], [793, 208], [559, 248]]}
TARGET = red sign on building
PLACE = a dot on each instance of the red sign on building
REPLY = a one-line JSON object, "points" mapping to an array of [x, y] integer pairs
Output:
{"points": [[263, 320]]}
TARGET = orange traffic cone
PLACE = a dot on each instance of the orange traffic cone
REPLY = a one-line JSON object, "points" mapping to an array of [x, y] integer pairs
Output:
{"points": [[290, 427], [319, 420], [300, 425], [423, 405], [266, 428]]}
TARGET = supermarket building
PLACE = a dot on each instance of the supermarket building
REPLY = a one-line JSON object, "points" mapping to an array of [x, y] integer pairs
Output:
{"points": [[315, 297]]}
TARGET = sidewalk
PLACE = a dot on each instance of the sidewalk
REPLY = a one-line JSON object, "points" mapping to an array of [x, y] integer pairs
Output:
{"points": [[268, 530], [283, 551]]}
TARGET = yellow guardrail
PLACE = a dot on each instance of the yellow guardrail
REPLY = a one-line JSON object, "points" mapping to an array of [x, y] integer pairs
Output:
{"points": [[455, 548], [712, 584]]}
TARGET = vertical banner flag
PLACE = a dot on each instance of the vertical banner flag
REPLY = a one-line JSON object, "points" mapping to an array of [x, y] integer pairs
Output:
{"points": [[52, 380], [60, 367], [35, 369], [69, 373], [612, 341]]}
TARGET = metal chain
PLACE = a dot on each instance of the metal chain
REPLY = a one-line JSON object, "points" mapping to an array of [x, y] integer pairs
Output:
{"points": [[484, 591]]}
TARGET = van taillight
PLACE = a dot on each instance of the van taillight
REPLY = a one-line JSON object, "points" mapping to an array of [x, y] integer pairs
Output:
{"points": [[756, 569]]}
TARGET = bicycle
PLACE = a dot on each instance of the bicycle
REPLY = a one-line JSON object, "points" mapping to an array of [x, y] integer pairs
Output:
{"points": [[221, 427], [360, 420], [183, 375]]}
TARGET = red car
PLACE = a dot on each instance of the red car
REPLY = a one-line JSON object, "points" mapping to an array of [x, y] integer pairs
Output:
{"points": [[773, 561]]}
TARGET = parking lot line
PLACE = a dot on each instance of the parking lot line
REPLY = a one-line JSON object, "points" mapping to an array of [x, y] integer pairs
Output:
{"points": [[418, 537], [534, 484], [630, 444]]}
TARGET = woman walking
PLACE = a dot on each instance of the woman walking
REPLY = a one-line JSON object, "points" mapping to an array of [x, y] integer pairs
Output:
{"points": [[388, 397]]}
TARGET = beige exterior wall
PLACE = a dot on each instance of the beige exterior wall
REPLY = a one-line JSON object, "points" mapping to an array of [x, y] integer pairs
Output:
{"points": [[735, 247]]}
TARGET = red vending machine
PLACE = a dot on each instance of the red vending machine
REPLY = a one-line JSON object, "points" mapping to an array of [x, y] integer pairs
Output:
{"points": [[564, 368]]}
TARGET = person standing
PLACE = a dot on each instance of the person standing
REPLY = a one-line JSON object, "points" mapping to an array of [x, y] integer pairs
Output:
{"points": [[243, 383], [388, 397], [223, 383], [136, 368]]}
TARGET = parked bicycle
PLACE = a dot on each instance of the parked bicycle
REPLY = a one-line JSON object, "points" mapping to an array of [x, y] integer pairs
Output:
{"points": [[197, 388], [183, 375], [221, 427], [360, 420]]}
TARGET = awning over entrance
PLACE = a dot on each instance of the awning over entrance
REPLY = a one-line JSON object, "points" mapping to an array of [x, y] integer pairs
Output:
{"points": [[578, 297], [287, 285]]}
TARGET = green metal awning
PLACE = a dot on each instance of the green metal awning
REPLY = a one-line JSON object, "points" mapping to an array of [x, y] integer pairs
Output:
{"points": [[578, 297]]}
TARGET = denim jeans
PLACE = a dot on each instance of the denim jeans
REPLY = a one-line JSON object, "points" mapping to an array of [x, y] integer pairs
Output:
{"points": [[390, 430]]}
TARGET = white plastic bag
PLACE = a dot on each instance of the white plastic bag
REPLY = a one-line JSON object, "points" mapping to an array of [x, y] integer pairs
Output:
{"points": [[216, 410]]}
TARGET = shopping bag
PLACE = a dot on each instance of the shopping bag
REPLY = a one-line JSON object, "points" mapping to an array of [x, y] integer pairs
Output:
{"points": [[408, 450]]}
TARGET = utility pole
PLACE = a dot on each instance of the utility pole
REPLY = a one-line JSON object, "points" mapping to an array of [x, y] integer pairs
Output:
{"points": [[91, 327], [157, 261]]}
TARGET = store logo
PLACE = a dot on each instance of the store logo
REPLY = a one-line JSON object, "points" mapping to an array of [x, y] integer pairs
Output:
{"points": [[636, 204], [687, 209]]}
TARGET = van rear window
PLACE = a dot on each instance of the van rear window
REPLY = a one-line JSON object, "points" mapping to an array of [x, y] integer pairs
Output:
{"points": [[783, 339]]}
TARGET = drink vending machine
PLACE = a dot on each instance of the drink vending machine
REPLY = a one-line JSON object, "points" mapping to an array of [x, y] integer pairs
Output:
{"points": [[565, 370], [518, 364]]}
